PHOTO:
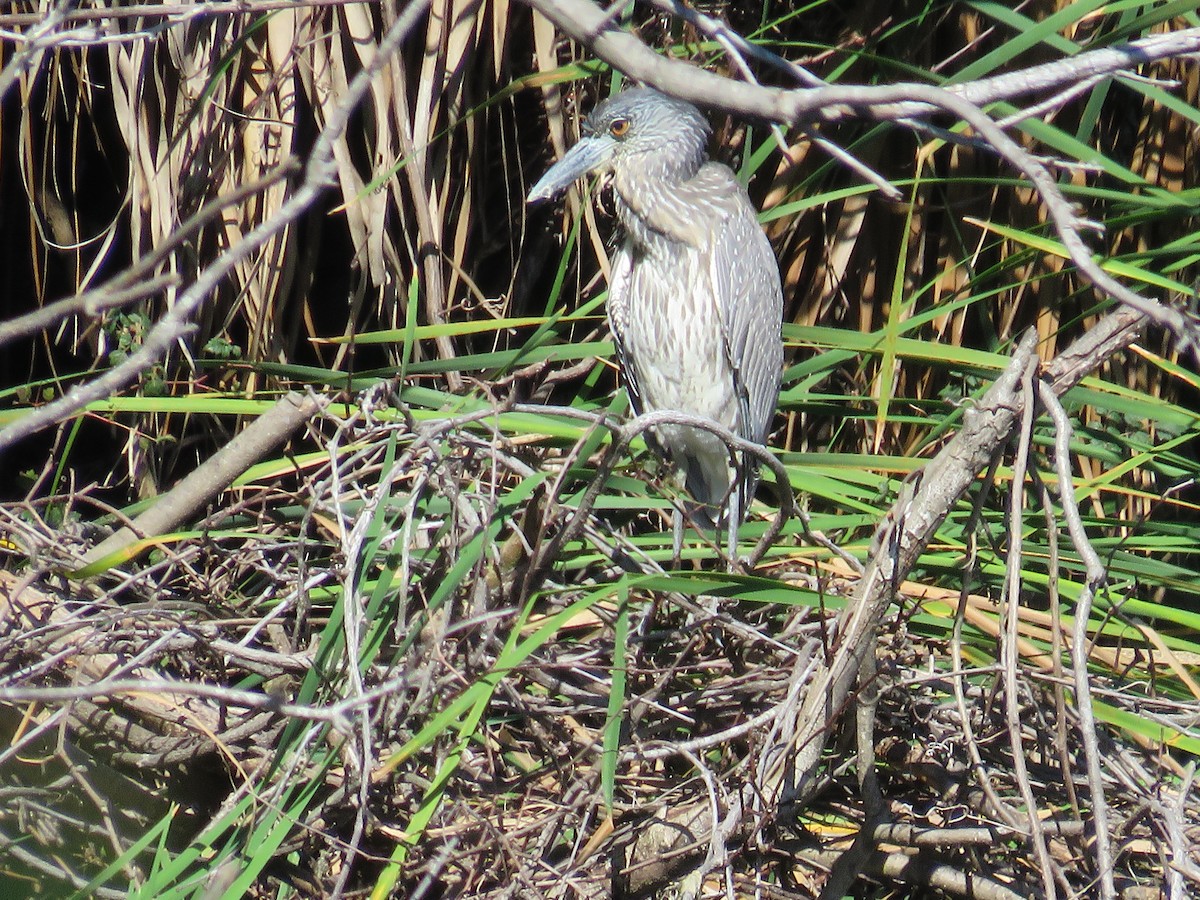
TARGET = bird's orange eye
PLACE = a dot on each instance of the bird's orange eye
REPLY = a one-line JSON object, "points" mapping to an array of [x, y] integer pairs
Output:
{"points": [[619, 128]]}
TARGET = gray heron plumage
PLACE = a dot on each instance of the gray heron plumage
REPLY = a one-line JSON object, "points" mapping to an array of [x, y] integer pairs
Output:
{"points": [[695, 304]]}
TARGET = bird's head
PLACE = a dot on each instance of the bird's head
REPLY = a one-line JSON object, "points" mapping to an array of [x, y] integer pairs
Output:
{"points": [[640, 132]]}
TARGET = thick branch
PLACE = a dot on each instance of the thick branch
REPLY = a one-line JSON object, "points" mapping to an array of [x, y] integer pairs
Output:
{"points": [[913, 520], [590, 25]]}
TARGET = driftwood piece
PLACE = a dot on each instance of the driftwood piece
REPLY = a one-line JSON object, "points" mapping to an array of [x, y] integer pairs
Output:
{"points": [[179, 504]]}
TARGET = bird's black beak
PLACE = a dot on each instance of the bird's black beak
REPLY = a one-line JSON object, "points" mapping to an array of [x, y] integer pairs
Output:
{"points": [[590, 154]]}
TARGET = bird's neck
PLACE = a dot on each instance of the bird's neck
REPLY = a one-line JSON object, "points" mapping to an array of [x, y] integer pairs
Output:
{"points": [[659, 207]]}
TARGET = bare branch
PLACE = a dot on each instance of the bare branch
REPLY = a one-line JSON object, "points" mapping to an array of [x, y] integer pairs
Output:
{"points": [[585, 22], [1008, 646], [40, 39], [139, 282]]}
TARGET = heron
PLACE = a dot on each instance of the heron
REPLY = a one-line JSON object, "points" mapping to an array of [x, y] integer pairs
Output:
{"points": [[695, 304]]}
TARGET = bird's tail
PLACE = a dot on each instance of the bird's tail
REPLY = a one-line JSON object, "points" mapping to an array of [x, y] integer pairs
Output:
{"points": [[721, 486]]}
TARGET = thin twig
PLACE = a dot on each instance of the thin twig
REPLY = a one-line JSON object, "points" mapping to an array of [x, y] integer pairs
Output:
{"points": [[1008, 645], [1096, 575]]}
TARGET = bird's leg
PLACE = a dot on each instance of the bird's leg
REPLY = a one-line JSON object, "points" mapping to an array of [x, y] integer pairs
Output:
{"points": [[677, 536], [733, 516]]}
